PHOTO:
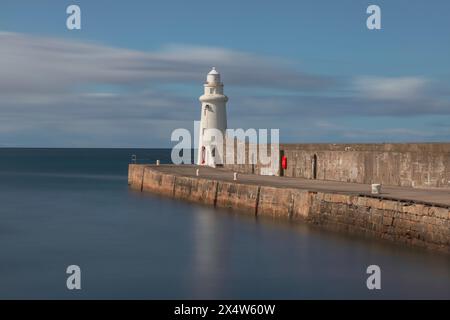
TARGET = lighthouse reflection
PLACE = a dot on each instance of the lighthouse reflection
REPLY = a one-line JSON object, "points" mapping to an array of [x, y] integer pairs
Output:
{"points": [[210, 258]]}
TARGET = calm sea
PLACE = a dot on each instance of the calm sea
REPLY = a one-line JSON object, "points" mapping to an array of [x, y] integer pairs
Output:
{"points": [[60, 207]]}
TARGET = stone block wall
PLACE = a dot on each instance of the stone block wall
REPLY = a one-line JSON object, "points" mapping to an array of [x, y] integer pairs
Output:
{"points": [[424, 225], [410, 165]]}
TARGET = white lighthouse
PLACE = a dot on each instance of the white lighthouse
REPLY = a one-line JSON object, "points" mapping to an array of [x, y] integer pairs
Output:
{"points": [[213, 116]]}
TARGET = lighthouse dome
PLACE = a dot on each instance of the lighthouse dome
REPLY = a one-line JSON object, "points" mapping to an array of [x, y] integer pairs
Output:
{"points": [[213, 71], [213, 76]]}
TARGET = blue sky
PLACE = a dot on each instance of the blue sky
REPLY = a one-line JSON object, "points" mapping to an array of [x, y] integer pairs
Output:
{"points": [[310, 68]]}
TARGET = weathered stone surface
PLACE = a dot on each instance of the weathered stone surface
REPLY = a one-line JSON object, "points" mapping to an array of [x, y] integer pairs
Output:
{"points": [[405, 164], [237, 196], [157, 182], [135, 175], [303, 204], [423, 225]]}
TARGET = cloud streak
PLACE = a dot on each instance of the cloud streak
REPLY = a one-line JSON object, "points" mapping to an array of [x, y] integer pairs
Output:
{"points": [[56, 92], [391, 88], [39, 64]]}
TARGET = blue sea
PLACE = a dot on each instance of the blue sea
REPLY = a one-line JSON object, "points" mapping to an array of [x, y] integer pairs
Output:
{"points": [[61, 207]]}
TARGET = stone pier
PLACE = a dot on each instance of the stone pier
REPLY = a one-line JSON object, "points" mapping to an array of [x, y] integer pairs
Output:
{"points": [[416, 217]]}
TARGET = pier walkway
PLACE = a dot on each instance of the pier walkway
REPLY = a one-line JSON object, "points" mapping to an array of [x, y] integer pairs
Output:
{"points": [[434, 196]]}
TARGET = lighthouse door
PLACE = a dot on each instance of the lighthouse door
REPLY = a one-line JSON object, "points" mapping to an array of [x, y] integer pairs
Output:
{"points": [[203, 154]]}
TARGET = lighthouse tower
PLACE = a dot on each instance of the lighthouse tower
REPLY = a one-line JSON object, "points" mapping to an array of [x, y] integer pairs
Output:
{"points": [[213, 116]]}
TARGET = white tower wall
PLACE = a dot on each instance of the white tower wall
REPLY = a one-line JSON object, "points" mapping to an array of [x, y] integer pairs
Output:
{"points": [[213, 116]]}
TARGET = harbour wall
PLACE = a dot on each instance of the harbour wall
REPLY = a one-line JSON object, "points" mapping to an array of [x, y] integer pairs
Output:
{"points": [[420, 165], [417, 224]]}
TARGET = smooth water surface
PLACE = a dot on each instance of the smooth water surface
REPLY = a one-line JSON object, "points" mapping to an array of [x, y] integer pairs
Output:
{"points": [[60, 207]]}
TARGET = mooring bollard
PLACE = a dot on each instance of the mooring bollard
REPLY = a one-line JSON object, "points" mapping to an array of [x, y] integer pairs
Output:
{"points": [[235, 176], [197, 172], [376, 188], [157, 162]]}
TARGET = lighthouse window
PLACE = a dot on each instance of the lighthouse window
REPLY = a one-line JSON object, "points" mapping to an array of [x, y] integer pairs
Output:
{"points": [[211, 91]]}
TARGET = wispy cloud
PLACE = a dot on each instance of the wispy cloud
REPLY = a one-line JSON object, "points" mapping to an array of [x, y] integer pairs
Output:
{"points": [[79, 91], [39, 64], [323, 106], [396, 88], [69, 93]]}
